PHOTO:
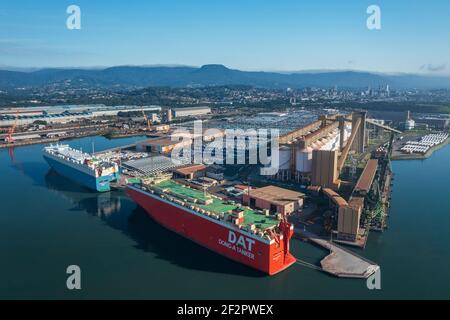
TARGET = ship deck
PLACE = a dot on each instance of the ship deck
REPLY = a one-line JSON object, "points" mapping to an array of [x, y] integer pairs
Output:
{"points": [[218, 205]]}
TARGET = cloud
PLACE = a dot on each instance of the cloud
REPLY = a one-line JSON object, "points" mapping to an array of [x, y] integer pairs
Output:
{"points": [[433, 68]]}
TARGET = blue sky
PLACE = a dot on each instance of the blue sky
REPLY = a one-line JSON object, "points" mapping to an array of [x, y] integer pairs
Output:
{"points": [[243, 34]]}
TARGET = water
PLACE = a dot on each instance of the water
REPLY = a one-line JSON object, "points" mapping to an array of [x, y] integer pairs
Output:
{"points": [[48, 223]]}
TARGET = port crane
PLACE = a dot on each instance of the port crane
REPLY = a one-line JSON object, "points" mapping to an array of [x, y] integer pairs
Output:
{"points": [[146, 120], [9, 137]]}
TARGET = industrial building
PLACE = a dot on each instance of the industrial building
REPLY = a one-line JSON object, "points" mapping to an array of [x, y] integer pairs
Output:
{"points": [[190, 171], [435, 122], [191, 112], [302, 150], [349, 219], [349, 213], [365, 181], [274, 199], [324, 168], [150, 166], [163, 145], [20, 120], [62, 114], [316, 155]]}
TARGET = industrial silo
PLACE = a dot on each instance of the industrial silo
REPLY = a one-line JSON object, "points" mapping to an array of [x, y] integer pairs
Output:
{"points": [[284, 163]]}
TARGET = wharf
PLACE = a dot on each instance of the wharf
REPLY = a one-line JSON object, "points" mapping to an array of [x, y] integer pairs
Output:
{"points": [[44, 140], [28, 142], [340, 262], [123, 135], [416, 156]]}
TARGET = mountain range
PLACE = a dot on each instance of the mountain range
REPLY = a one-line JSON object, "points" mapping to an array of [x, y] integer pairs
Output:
{"points": [[213, 75]]}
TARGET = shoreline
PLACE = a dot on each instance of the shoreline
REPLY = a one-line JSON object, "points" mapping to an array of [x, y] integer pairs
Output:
{"points": [[47, 140], [28, 143], [425, 156]]}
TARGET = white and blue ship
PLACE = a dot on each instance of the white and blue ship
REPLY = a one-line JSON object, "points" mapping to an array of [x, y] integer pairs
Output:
{"points": [[83, 168]]}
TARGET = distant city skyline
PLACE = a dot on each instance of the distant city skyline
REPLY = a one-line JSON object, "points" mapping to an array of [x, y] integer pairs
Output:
{"points": [[283, 36]]}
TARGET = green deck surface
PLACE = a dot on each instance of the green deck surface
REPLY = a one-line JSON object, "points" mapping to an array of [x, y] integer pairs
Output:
{"points": [[219, 206]]}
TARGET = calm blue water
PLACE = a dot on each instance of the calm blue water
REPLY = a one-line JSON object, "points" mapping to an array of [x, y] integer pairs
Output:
{"points": [[48, 223]]}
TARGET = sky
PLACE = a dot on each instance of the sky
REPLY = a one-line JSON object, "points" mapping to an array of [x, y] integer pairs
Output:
{"points": [[271, 35]]}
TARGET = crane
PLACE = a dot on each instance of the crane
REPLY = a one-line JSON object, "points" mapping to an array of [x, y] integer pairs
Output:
{"points": [[9, 138], [146, 120]]}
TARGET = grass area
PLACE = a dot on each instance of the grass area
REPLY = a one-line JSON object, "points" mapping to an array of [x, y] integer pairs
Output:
{"points": [[219, 206]]}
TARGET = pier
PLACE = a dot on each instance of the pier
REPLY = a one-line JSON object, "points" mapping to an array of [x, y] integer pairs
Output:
{"points": [[340, 262]]}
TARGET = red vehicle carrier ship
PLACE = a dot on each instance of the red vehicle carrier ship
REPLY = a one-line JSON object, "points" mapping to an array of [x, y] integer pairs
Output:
{"points": [[258, 240]]}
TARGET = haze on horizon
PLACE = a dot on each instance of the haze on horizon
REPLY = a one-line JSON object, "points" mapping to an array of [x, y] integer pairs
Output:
{"points": [[283, 36]]}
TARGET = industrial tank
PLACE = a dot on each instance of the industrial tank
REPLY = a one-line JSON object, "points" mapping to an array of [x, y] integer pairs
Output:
{"points": [[285, 158], [304, 160]]}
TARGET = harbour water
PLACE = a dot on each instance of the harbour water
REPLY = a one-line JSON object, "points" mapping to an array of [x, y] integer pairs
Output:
{"points": [[48, 223]]}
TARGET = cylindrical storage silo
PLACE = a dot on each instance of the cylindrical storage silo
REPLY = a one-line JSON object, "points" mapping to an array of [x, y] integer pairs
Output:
{"points": [[285, 158], [299, 160], [304, 160]]}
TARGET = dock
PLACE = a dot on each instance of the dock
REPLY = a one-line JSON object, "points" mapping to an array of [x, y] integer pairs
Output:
{"points": [[28, 143], [340, 262]]}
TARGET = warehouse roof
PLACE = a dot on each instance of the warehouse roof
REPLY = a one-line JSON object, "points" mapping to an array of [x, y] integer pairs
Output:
{"points": [[191, 108], [356, 203], [276, 195], [150, 166], [366, 179], [190, 169], [335, 197]]}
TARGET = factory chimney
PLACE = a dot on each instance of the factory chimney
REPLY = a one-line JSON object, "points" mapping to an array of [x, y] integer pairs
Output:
{"points": [[408, 115]]}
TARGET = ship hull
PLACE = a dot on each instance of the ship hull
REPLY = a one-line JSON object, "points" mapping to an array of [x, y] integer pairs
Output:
{"points": [[99, 184], [265, 255]]}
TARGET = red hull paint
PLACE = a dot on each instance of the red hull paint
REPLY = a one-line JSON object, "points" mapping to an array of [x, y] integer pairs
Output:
{"points": [[267, 256]]}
